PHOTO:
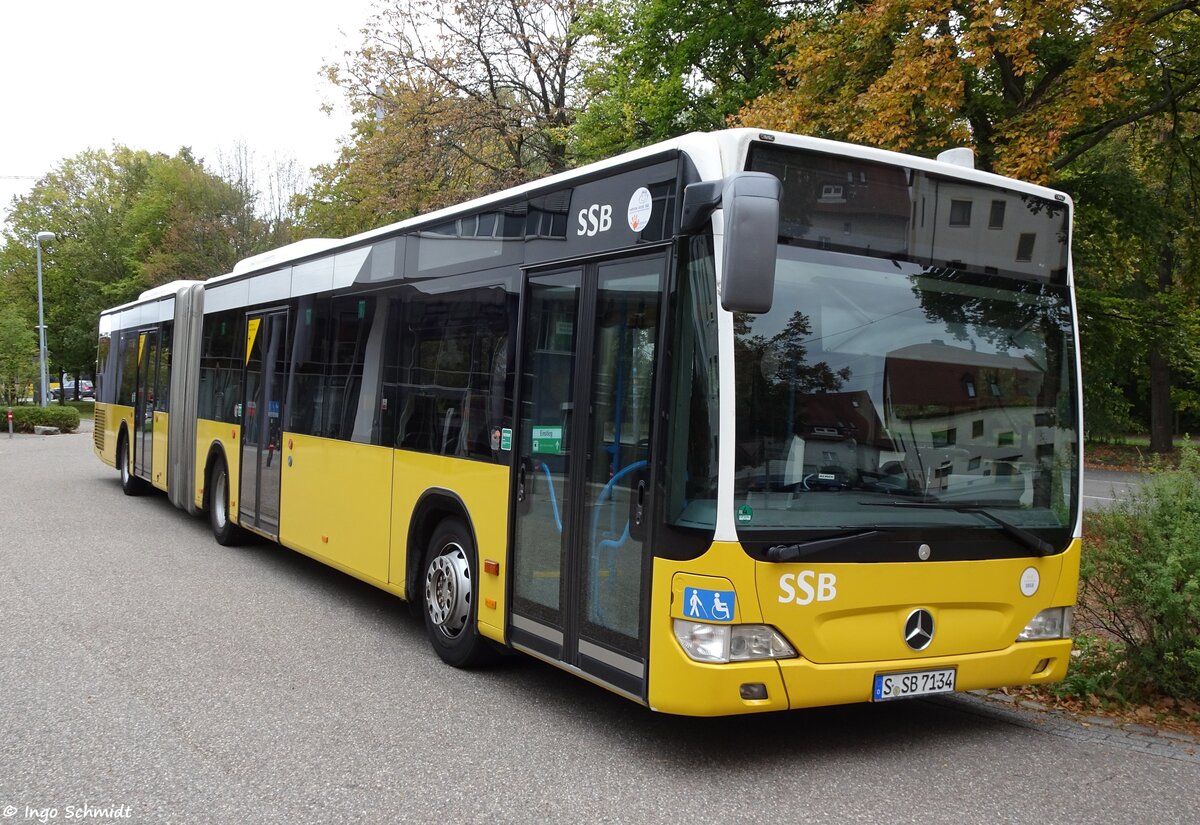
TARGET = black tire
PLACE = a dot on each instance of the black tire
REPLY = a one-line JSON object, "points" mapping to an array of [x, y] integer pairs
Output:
{"points": [[449, 595], [224, 530], [131, 485]]}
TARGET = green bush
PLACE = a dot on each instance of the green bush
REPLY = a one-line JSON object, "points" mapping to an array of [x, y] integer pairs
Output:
{"points": [[1097, 666], [1140, 584], [26, 418]]}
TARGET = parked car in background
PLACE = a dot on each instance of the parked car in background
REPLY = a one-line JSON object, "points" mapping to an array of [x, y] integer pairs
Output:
{"points": [[86, 390]]}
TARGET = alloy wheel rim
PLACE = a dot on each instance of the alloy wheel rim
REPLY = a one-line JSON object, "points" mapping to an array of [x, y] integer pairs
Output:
{"points": [[448, 590]]}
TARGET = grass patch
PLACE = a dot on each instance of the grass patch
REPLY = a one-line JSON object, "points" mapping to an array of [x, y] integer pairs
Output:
{"points": [[86, 409]]}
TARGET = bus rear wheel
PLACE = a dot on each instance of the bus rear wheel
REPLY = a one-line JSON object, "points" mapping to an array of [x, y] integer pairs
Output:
{"points": [[131, 485], [450, 594], [224, 530]]}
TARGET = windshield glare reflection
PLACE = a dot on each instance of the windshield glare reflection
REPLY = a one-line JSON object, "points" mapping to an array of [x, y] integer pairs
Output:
{"points": [[885, 384]]}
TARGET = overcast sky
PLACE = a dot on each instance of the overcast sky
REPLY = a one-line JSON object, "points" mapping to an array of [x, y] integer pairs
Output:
{"points": [[162, 74]]}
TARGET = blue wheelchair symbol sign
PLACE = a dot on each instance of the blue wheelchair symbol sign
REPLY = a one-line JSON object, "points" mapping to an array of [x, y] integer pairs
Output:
{"points": [[708, 605]]}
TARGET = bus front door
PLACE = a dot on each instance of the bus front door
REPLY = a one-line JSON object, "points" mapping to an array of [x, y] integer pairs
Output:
{"points": [[143, 414], [262, 421], [580, 564]]}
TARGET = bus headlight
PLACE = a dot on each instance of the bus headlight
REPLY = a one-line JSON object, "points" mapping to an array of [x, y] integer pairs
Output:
{"points": [[1053, 623], [731, 643]]}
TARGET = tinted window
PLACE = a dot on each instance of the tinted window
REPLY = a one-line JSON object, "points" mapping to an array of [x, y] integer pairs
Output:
{"points": [[220, 366], [884, 211], [334, 343], [479, 241], [129, 361], [106, 367], [453, 381], [162, 394], [694, 424]]}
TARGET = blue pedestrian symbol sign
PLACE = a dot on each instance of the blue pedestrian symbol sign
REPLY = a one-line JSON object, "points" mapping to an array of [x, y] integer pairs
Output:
{"points": [[708, 605]]}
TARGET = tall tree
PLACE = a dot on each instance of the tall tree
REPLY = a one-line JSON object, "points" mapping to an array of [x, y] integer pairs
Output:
{"points": [[268, 214], [451, 101], [18, 355], [396, 164], [667, 67], [126, 220], [1036, 89], [1032, 86]]}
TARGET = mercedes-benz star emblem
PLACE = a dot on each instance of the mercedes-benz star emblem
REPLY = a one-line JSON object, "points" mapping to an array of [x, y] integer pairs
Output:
{"points": [[918, 629]]}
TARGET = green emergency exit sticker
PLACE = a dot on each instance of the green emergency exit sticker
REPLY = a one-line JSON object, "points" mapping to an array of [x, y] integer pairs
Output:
{"points": [[506, 439], [745, 514], [547, 440]]}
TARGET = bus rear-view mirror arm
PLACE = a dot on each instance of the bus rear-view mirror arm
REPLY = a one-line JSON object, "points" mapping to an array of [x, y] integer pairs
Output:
{"points": [[750, 201]]}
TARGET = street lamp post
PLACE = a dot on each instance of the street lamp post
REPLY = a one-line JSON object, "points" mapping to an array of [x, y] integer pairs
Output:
{"points": [[42, 236]]}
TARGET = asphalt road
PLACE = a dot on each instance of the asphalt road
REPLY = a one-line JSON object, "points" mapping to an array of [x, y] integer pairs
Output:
{"points": [[143, 666], [1103, 488]]}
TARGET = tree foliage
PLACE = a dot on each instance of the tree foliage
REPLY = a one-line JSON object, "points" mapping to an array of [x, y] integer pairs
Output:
{"points": [[664, 68], [125, 220], [451, 101], [18, 355], [1095, 96], [1138, 267], [268, 211], [1032, 86]]}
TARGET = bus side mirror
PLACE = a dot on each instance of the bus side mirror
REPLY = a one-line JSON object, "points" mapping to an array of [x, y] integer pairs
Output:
{"points": [[750, 201]]}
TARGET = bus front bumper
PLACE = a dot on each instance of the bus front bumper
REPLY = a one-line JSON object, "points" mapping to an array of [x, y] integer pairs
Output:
{"points": [[697, 689]]}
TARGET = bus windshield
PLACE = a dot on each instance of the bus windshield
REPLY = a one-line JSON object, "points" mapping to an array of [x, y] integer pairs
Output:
{"points": [[887, 393]]}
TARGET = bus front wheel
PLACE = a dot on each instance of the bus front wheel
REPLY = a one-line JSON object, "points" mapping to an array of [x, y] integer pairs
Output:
{"points": [[224, 530], [450, 593]]}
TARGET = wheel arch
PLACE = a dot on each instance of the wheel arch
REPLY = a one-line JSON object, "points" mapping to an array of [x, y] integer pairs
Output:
{"points": [[433, 507]]}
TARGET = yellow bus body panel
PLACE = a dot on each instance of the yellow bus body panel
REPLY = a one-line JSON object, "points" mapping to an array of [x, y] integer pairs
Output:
{"points": [[107, 420], [114, 416], [677, 684], [228, 437], [483, 490], [335, 502], [856, 630], [158, 460]]}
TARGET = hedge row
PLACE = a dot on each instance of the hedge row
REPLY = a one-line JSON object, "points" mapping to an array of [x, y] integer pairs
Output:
{"points": [[26, 418]]}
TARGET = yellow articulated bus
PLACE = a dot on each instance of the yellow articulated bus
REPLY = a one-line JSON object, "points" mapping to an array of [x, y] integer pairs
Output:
{"points": [[738, 422]]}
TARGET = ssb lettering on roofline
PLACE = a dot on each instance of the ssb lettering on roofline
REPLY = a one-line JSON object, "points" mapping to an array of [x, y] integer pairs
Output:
{"points": [[594, 219]]}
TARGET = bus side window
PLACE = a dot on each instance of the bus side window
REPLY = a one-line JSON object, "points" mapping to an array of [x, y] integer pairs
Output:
{"points": [[453, 356]]}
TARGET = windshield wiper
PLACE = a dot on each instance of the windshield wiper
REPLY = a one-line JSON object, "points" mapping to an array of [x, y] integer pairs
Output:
{"points": [[1033, 542], [794, 552]]}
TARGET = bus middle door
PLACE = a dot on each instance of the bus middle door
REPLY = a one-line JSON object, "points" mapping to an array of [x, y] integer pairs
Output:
{"points": [[263, 386], [143, 414]]}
